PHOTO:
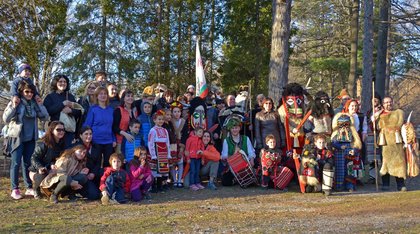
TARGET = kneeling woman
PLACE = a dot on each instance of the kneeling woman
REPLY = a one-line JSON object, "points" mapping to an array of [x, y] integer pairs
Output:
{"points": [[210, 160], [232, 144], [70, 173]]}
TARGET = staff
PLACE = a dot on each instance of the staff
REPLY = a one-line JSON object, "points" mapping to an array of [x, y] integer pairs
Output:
{"points": [[374, 134]]}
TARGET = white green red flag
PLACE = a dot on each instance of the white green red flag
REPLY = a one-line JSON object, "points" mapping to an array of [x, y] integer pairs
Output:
{"points": [[201, 89]]}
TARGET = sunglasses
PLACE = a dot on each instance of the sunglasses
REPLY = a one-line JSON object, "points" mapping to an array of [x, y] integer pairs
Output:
{"points": [[60, 129]]}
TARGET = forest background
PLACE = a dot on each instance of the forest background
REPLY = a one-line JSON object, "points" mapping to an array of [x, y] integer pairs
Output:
{"points": [[333, 43]]}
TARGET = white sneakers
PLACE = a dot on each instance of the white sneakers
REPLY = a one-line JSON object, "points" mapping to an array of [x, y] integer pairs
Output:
{"points": [[29, 192], [16, 194]]}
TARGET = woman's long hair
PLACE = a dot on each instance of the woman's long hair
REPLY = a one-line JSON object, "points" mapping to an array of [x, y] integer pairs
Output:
{"points": [[49, 139], [70, 152]]}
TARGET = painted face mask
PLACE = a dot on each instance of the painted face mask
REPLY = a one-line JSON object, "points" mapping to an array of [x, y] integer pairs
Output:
{"points": [[295, 105], [198, 118], [345, 134]]}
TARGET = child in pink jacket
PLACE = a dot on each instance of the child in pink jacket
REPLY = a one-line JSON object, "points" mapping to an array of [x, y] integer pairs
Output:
{"points": [[140, 175]]}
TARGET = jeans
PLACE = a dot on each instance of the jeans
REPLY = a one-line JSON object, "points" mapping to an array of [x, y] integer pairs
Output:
{"points": [[64, 183], [114, 192], [90, 191], [195, 171], [24, 150]]}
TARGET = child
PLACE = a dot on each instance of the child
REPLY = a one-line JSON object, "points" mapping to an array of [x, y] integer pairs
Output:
{"points": [[325, 160], [270, 159], [159, 148], [140, 175], [193, 152], [145, 120], [172, 139], [24, 75], [70, 172], [181, 135], [114, 181], [233, 143], [128, 147]]}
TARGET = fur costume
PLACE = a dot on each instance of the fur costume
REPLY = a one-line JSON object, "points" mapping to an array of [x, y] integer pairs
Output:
{"points": [[393, 157], [344, 139], [308, 172], [321, 114]]}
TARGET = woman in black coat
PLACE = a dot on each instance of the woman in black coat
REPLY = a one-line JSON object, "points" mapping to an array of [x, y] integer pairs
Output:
{"points": [[47, 150], [61, 100]]}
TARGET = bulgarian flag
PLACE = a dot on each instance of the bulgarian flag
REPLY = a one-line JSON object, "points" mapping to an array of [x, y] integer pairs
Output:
{"points": [[201, 89]]}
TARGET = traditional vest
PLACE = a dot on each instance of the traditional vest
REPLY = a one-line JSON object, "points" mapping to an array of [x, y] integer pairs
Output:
{"points": [[242, 145]]}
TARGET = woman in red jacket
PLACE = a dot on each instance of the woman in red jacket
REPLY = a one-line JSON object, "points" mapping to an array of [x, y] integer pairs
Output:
{"points": [[210, 160]]}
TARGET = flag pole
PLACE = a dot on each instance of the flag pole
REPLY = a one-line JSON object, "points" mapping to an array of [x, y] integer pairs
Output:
{"points": [[374, 135]]}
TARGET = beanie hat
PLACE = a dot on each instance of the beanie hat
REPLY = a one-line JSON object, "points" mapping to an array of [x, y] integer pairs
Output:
{"points": [[190, 87], [23, 67]]}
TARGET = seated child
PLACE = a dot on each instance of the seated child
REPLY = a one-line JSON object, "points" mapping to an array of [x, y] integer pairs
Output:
{"points": [[140, 175], [127, 147], [114, 181], [325, 160]]}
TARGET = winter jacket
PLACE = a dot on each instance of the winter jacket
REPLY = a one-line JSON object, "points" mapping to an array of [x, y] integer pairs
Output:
{"points": [[135, 173], [17, 114], [121, 121], [121, 176], [210, 153], [45, 156], [194, 144], [68, 166], [54, 104], [269, 123]]}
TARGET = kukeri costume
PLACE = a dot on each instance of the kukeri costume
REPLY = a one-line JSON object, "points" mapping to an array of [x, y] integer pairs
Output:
{"points": [[344, 140], [321, 114]]}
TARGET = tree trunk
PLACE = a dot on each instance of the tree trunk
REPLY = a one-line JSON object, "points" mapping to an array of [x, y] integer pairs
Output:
{"points": [[102, 53], [159, 41], [354, 34], [382, 47], [179, 46], [279, 56], [388, 56], [257, 47], [366, 97], [212, 29]]}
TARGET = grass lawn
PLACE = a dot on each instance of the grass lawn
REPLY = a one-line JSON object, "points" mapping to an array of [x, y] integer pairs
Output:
{"points": [[232, 210]]}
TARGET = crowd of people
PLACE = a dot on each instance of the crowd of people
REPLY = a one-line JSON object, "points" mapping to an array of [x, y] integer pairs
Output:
{"points": [[111, 146]]}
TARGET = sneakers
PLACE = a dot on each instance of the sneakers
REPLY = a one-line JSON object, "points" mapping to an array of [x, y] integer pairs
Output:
{"points": [[180, 185], [105, 199], [199, 186], [16, 194], [54, 199], [29, 192], [194, 187], [403, 189], [211, 186]]}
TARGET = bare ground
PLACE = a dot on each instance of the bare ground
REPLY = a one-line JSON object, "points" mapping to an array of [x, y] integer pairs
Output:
{"points": [[227, 210]]}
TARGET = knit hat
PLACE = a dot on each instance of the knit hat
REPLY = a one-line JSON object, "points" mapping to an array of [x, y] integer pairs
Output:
{"points": [[23, 67], [190, 87]]}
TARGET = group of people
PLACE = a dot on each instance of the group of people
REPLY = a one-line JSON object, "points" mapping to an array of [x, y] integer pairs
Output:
{"points": [[107, 145]]}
